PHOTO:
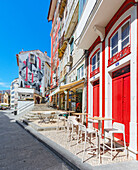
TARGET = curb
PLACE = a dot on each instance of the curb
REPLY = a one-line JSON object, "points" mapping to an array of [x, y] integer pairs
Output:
{"points": [[72, 160]]}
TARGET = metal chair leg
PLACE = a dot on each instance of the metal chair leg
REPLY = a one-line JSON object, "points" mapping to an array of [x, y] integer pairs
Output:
{"points": [[104, 142], [125, 144], [84, 149], [111, 145]]}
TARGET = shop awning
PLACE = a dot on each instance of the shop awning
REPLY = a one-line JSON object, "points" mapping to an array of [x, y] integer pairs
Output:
{"points": [[72, 85], [76, 84], [54, 92]]}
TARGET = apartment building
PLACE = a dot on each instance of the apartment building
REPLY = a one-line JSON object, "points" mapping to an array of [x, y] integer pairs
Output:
{"points": [[98, 59], [47, 79], [70, 93], [7, 98], [31, 70], [110, 36], [53, 15], [14, 93]]}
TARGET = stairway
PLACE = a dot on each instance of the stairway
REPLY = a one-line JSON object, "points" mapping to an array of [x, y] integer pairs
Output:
{"points": [[42, 107], [33, 116]]}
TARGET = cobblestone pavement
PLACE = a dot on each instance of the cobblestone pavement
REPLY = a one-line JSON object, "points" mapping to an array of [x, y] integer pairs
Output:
{"points": [[21, 151]]}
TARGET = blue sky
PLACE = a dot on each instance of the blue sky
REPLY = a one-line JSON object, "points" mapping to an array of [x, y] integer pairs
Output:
{"points": [[23, 25]]}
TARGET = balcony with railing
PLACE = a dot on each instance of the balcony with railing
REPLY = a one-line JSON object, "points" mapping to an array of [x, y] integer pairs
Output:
{"points": [[62, 7], [54, 65], [72, 17], [62, 46]]}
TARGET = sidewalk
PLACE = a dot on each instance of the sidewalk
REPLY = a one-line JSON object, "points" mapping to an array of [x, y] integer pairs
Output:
{"points": [[73, 160]]}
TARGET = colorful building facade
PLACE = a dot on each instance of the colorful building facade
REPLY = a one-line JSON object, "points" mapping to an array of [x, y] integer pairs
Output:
{"points": [[53, 16], [31, 69], [108, 40], [111, 39]]}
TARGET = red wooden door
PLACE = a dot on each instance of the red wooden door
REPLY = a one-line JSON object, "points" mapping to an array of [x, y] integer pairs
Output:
{"points": [[96, 102], [121, 102], [126, 105]]}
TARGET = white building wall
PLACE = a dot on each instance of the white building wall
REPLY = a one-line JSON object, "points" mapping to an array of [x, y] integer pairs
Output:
{"points": [[88, 8], [91, 80], [14, 93], [130, 59]]}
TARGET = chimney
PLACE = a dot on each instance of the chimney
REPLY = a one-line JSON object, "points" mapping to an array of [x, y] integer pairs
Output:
{"points": [[45, 53]]}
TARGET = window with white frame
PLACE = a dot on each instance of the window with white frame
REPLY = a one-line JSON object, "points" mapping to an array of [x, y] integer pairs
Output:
{"points": [[96, 61], [125, 35], [114, 44], [81, 7], [32, 58], [120, 39], [80, 72]]}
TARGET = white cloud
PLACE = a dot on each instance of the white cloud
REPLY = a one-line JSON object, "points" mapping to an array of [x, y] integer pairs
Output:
{"points": [[3, 84]]}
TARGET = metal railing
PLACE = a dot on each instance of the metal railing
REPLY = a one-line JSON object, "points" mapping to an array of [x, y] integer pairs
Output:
{"points": [[25, 107]]}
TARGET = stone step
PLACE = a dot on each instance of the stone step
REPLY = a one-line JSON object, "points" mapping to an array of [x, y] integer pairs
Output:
{"points": [[31, 115], [29, 118]]}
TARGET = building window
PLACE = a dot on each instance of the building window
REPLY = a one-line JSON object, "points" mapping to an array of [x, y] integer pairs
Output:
{"points": [[71, 45], [32, 58], [114, 44], [80, 72], [119, 42], [120, 39], [53, 48], [56, 42], [96, 61], [81, 6], [125, 35]]}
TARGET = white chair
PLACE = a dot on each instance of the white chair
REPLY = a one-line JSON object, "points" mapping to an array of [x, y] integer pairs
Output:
{"points": [[93, 123], [86, 132], [69, 126], [61, 119], [74, 131], [117, 128]]}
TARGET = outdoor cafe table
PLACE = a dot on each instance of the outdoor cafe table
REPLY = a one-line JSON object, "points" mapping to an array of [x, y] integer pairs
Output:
{"points": [[69, 112], [66, 111], [80, 114], [99, 119]]}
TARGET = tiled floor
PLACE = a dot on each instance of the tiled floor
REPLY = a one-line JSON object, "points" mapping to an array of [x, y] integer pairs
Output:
{"points": [[60, 137]]}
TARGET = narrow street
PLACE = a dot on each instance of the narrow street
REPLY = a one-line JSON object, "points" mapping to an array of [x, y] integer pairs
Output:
{"points": [[21, 151]]}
